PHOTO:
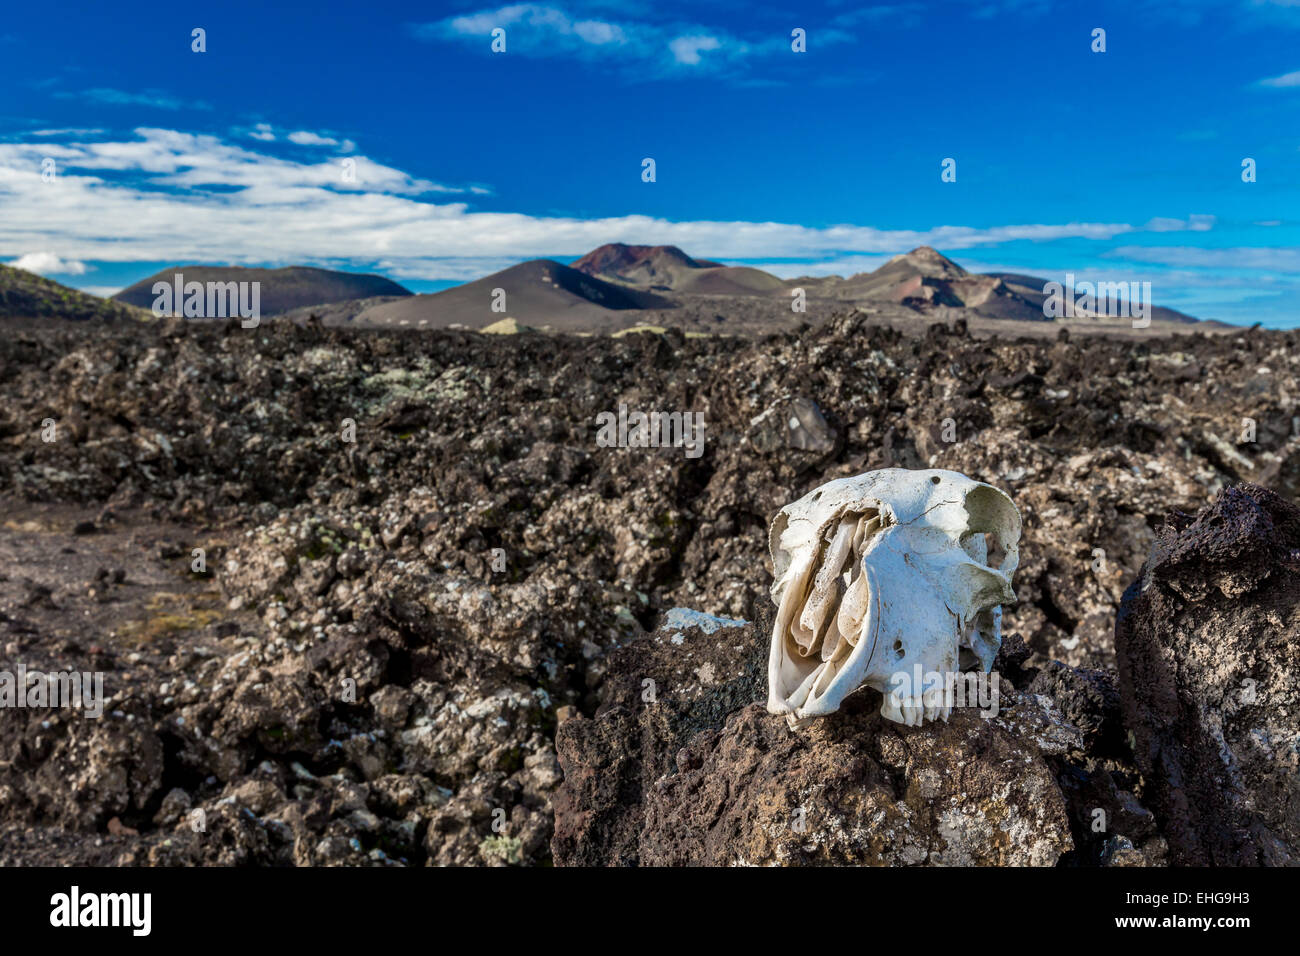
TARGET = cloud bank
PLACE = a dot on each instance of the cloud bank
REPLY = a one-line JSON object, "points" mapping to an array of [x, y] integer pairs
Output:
{"points": [[168, 195]]}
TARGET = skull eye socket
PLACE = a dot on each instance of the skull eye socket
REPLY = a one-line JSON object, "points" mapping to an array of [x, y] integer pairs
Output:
{"points": [[993, 548], [984, 547], [993, 527]]}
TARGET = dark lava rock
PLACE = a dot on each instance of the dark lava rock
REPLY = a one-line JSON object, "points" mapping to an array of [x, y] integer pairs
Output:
{"points": [[797, 424], [77, 771], [396, 613], [1207, 642], [1087, 698], [682, 765], [661, 690]]}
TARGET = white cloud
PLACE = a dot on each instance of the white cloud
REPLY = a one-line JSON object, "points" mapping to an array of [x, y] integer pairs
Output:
{"points": [[644, 47], [1276, 260], [305, 138], [599, 33], [687, 49], [47, 263], [150, 98], [264, 132], [152, 198], [71, 131], [168, 162], [1193, 223], [541, 24], [1283, 81]]}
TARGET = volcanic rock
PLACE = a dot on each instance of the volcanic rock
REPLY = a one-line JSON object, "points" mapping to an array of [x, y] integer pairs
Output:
{"points": [[372, 666], [1207, 642], [683, 766]]}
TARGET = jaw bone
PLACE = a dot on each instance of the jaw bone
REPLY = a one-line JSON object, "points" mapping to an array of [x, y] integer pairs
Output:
{"points": [[884, 576]]}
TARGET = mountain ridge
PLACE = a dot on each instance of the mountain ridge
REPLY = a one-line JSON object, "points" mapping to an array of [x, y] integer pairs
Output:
{"points": [[537, 293], [26, 295], [614, 286], [282, 289]]}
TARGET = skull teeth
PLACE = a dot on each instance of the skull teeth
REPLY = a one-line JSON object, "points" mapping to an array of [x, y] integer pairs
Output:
{"points": [[913, 711]]}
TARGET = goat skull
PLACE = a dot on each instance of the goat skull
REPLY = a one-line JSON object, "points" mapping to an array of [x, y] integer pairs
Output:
{"points": [[882, 574]]}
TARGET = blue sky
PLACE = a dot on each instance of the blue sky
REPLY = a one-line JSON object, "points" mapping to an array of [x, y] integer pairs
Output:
{"points": [[1123, 165]]}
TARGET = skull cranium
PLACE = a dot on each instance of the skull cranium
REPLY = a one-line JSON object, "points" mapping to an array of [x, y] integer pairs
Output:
{"points": [[879, 575]]}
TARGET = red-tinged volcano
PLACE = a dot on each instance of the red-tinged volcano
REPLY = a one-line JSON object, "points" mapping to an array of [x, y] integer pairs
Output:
{"points": [[640, 264]]}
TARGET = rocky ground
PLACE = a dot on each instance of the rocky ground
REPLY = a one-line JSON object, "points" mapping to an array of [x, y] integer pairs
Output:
{"points": [[417, 571], [1207, 640]]}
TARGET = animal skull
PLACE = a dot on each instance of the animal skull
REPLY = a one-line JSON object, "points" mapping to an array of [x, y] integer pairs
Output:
{"points": [[881, 573]]}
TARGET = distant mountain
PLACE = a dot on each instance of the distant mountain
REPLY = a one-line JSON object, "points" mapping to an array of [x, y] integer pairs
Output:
{"points": [[1031, 289], [921, 263], [925, 277], [668, 269], [25, 295], [620, 286], [603, 290], [281, 289], [639, 265], [540, 292]]}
